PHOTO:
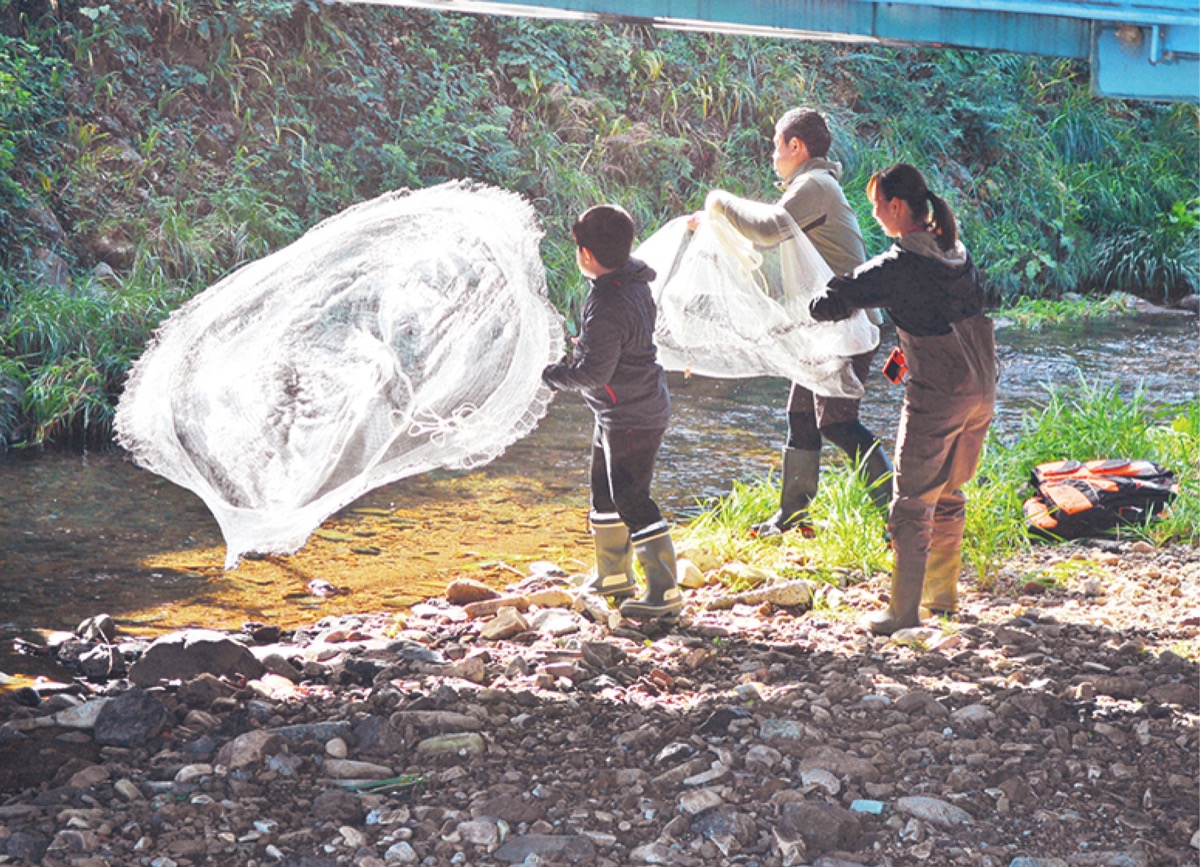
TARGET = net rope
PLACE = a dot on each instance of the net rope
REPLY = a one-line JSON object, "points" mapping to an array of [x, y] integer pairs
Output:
{"points": [[405, 334], [730, 310]]}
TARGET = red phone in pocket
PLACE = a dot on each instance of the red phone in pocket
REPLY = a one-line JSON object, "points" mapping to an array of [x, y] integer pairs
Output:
{"points": [[895, 367]]}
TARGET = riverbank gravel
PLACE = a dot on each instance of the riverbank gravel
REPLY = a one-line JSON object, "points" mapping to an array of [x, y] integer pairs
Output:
{"points": [[1055, 722]]}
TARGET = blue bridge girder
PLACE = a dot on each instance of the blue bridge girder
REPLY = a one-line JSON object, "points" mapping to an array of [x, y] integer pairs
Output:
{"points": [[1136, 49]]}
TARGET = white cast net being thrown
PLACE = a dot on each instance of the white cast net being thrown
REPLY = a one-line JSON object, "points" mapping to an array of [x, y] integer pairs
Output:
{"points": [[730, 311], [404, 334]]}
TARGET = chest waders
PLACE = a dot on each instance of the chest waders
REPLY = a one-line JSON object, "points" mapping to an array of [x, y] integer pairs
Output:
{"points": [[948, 407]]}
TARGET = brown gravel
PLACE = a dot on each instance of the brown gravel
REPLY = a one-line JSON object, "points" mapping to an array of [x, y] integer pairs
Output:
{"points": [[1054, 723]]}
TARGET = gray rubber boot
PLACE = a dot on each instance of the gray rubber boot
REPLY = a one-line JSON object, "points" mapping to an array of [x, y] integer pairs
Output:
{"points": [[662, 598], [801, 473], [903, 612], [614, 560], [877, 468], [940, 593]]}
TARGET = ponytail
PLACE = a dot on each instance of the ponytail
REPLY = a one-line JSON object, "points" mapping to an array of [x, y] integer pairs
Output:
{"points": [[945, 227], [908, 183]]}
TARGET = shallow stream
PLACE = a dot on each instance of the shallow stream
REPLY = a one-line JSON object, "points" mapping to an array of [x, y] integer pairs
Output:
{"points": [[82, 534]]}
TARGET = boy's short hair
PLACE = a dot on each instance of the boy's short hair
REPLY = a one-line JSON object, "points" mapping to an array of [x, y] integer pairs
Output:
{"points": [[606, 230], [807, 125]]}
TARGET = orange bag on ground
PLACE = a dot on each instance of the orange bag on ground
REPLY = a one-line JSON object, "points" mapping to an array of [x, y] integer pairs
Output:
{"points": [[1076, 499]]}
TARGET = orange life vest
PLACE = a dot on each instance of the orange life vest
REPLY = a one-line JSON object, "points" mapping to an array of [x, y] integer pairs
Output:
{"points": [[1074, 499]]}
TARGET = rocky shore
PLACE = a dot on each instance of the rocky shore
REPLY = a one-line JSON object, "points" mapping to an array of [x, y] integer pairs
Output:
{"points": [[1053, 724]]}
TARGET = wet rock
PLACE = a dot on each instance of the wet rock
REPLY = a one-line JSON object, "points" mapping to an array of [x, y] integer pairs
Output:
{"points": [[822, 827], [51, 269], [452, 744], [571, 849], [338, 806], [507, 623], [464, 591], [780, 593], [101, 627], [934, 810], [249, 749], [26, 846], [81, 716], [726, 828], [185, 655], [349, 769], [840, 763], [130, 720]]}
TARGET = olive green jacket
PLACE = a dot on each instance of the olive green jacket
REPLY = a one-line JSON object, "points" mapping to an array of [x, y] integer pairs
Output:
{"points": [[814, 199]]}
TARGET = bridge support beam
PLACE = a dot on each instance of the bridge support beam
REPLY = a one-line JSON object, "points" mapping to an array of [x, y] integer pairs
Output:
{"points": [[1143, 49]]}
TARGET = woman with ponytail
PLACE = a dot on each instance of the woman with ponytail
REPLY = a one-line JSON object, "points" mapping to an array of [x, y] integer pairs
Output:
{"points": [[929, 286]]}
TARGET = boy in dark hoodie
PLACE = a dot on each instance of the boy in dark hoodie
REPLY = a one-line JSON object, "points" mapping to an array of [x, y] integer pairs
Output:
{"points": [[615, 367], [928, 284]]}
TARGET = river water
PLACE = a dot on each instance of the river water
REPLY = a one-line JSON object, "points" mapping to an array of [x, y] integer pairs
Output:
{"points": [[74, 528]]}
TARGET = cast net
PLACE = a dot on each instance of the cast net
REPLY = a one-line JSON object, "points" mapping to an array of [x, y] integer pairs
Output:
{"points": [[729, 310], [404, 334]]}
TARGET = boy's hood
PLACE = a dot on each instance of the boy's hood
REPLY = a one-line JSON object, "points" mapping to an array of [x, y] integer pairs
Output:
{"points": [[633, 270]]}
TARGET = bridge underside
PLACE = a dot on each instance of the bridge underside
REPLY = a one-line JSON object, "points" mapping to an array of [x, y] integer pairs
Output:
{"points": [[1139, 50]]}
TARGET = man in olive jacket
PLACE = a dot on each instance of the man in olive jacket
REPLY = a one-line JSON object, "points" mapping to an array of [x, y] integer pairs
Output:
{"points": [[813, 198]]}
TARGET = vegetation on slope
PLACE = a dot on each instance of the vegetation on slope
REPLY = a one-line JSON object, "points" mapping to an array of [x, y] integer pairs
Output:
{"points": [[151, 146]]}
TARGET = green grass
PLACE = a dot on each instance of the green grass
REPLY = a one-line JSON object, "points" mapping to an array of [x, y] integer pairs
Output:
{"points": [[849, 534], [1032, 314], [1085, 423]]}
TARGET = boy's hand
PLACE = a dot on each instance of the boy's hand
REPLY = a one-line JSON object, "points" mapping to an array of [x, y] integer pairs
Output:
{"points": [[695, 220]]}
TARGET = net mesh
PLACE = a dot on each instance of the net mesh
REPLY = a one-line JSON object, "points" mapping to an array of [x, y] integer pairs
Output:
{"points": [[729, 310], [404, 334]]}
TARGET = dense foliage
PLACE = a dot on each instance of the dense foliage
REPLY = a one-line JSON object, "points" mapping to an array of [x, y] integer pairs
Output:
{"points": [[150, 146]]}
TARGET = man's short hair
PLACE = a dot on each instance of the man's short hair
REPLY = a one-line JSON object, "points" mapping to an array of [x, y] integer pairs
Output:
{"points": [[807, 125], [606, 230]]}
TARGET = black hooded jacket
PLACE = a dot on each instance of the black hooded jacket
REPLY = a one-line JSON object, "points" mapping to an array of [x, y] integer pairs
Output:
{"points": [[922, 287], [615, 362]]}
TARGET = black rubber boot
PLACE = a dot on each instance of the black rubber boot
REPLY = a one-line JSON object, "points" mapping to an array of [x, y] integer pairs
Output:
{"points": [[877, 468], [656, 553], [867, 452], [801, 473], [614, 558]]}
